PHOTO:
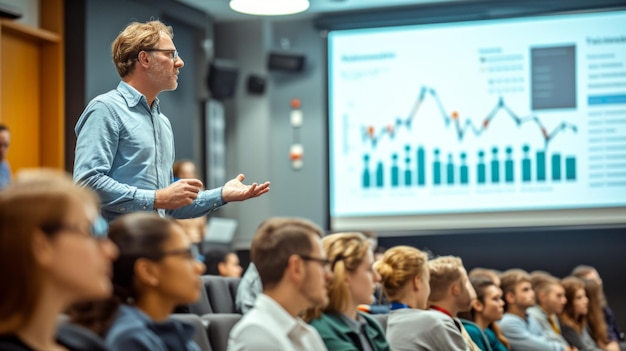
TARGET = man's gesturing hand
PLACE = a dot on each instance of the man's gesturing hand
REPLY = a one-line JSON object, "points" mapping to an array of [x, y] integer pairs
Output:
{"points": [[179, 194], [235, 190]]}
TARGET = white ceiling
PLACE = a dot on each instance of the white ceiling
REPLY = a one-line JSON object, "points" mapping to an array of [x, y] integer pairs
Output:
{"points": [[220, 11]]}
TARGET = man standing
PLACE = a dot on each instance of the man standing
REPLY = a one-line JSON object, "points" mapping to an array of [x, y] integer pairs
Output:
{"points": [[5, 170], [294, 271], [523, 333], [451, 293], [125, 145]]}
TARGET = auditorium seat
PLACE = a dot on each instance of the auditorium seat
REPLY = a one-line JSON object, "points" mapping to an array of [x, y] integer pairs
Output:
{"points": [[201, 336], [220, 293], [220, 325], [382, 319]]}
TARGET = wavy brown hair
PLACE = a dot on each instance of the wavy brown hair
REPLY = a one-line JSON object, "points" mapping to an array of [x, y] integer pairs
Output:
{"points": [[595, 316], [568, 316], [133, 39]]}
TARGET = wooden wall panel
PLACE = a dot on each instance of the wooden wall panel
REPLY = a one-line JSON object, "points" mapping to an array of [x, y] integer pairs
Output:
{"points": [[32, 89], [21, 88]]}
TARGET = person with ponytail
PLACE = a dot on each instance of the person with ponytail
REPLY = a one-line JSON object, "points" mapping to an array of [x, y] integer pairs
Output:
{"points": [[340, 324], [157, 270]]}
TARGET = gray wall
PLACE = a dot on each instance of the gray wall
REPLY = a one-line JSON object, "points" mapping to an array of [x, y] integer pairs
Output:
{"points": [[259, 134]]}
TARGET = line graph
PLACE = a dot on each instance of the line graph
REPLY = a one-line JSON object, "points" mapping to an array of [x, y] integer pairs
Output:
{"points": [[372, 135]]}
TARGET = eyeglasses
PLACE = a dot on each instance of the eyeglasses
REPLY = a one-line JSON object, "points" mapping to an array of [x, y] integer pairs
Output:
{"points": [[173, 52], [190, 253], [97, 230], [326, 263]]}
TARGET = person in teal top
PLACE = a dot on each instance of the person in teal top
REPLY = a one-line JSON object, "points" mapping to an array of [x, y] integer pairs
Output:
{"points": [[339, 323], [486, 310]]}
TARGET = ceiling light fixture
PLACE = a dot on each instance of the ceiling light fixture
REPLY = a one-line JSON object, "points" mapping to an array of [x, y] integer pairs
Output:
{"points": [[269, 7]]}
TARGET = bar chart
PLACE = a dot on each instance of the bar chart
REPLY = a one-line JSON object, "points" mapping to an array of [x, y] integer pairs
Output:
{"points": [[421, 168]]}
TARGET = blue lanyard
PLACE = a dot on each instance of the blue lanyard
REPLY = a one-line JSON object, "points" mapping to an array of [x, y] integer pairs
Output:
{"points": [[398, 305]]}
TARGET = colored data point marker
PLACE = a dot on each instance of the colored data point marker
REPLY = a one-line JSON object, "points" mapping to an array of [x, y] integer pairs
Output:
{"points": [[455, 115], [370, 131], [295, 103]]}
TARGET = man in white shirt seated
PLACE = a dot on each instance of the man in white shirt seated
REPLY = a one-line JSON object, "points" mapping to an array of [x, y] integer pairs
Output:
{"points": [[294, 271]]}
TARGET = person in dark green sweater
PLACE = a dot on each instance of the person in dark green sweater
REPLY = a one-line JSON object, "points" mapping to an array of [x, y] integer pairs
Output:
{"points": [[339, 323]]}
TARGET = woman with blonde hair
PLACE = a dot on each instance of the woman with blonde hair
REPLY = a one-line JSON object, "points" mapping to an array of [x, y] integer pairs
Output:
{"points": [[405, 279], [53, 253], [339, 323]]}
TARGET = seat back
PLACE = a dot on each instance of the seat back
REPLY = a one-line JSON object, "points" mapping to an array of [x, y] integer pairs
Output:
{"points": [[201, 336], [382, 320], [221, 292], [220, 325], [202, 306]]}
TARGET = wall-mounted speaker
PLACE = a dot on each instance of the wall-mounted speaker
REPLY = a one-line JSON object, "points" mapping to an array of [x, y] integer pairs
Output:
{"points": [[222, 79], [286, 62], [10, 11], [256, 84]]}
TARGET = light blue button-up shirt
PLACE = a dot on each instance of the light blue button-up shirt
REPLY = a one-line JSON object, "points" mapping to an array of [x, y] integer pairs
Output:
{"points": [[125, 152]]}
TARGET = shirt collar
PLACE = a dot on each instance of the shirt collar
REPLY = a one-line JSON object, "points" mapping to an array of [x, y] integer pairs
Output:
{"points": [[357, 324], [133, 97], [168, 330], [442, 310], [288, 323]]}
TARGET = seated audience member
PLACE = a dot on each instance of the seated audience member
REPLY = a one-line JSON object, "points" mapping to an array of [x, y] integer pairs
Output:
{"points": [[248, 289], [341, 325], [487, 308], [550, 299], [222, 262], [451, 293], [5, 170], [524, 334], [157, 270], [574, 316], [184, 169], [294, 272], [410, 326], [614, 332], [194, 227], [595, 317], [53, 253], [489, 273]]}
